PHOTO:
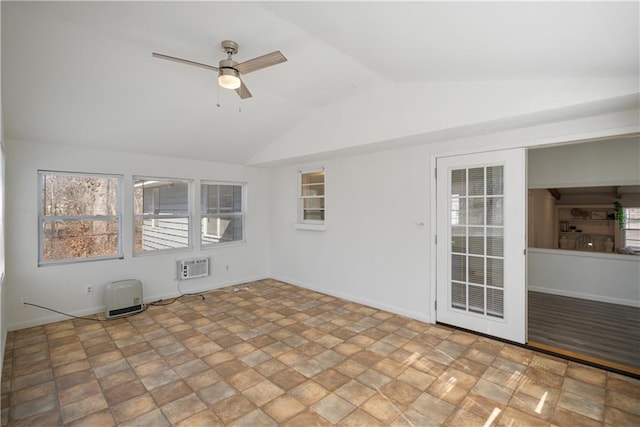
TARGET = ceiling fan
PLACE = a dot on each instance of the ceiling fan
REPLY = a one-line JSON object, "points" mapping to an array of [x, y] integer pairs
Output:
{"points": [[229, 71]]}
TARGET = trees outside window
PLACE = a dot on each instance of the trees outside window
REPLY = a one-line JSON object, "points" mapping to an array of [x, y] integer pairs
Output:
{"points": [[80, 217]]}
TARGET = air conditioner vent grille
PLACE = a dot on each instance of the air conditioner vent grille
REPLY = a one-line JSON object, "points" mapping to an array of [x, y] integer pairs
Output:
{"points": [[192, 268]]}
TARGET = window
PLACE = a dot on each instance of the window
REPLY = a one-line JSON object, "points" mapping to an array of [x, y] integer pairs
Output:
{"points": [[161, 213], [311, 198], [632, 228], [221, 213], [79, 217]]}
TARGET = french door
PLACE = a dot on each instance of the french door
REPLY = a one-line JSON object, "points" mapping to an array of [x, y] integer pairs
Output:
{"points": [[481, 242]]}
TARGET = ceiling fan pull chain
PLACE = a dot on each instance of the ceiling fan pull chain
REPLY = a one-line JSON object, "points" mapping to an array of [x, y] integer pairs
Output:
{"points": [[218, 92]]}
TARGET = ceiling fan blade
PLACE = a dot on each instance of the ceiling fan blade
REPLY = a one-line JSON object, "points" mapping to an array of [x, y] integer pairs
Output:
{"points": [[263, 61], [184, 61], [242, 91]]}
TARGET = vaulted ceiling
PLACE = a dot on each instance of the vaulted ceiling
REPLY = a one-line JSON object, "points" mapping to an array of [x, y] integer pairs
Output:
{"points": [[81, 73]]}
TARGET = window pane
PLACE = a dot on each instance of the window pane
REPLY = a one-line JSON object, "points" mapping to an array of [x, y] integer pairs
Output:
{"points": [[221, 229], [313, 215], [314, 203], [74, 195], [222, 215], [313, 190], [161, 233], [311, 197], [161, 197], [313, 178], [66, 240]]}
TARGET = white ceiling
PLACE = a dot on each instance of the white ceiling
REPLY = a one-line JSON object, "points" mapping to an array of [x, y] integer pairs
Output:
{"points": [[81, 73]]}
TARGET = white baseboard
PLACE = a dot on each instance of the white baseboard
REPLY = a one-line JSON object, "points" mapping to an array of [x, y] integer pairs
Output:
{"points": [[375, 304], [591, 297], [100, 309]]}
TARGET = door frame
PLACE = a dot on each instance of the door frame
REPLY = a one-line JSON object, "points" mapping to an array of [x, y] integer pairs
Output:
{"points": [[434, 225]]}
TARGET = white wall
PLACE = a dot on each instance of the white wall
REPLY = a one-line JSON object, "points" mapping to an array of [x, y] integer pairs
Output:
{"points": [[600, 163], [371, 251], [62, 286], [599, 277]]}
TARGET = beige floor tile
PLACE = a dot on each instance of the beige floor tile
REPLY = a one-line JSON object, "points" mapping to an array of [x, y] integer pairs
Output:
{"points": [[276, 354], [283, 408], [179, 409], [333, 408], [308, 393]]}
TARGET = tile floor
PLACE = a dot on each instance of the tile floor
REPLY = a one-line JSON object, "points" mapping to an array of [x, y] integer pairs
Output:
{"points": [[277, 354]]}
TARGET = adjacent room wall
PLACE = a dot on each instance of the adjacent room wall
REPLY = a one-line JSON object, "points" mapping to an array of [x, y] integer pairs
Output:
{"points": [[62, 286], [591, 164]]}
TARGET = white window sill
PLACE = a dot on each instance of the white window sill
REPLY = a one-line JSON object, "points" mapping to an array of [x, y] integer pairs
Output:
{"points": [[311, 227]]}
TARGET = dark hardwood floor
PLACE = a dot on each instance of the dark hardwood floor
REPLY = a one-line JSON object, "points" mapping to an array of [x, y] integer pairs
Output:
{"points": [[599, 331]]}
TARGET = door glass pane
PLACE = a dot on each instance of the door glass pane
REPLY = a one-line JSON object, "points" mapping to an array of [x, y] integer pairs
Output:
{"points": [[477, 250], [476, 299], [459, 239], [495, 272], [495, 302], [476, 211], [458, 295], [458, 210], [476, 182], [459, 182], [495, 242], [494, 210], [495, 185], [476, 240], [476, 269], [459, 268]]}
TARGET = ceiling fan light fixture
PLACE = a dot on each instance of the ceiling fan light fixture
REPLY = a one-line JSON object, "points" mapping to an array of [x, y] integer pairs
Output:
{"points": [[229, 78]]}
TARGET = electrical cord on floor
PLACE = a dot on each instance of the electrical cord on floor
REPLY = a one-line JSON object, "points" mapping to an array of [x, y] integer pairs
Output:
{"points": [[94, 319], [145, 306]]}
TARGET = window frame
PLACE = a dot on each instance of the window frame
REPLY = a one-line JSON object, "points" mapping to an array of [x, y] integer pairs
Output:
{"points": [[156, 217], [43, 219], [636, 248], [310, 224], [241, 214]]}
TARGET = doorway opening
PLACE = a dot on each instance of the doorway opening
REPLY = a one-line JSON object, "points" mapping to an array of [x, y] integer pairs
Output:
{"points": [[583, 260]]}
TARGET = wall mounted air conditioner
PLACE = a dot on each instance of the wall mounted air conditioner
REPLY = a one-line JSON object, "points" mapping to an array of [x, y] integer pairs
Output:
{"points": [[192, 268], [123, 298]]}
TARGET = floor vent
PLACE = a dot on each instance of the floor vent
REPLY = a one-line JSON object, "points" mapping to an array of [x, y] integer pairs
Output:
{"points": [[192, 268]]}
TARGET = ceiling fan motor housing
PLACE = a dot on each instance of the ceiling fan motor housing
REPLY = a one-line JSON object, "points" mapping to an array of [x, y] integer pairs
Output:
{"points": [[230, 47]]}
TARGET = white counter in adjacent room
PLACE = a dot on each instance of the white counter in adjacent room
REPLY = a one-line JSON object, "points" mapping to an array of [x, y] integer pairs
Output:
{"points": [[598, 276]]}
